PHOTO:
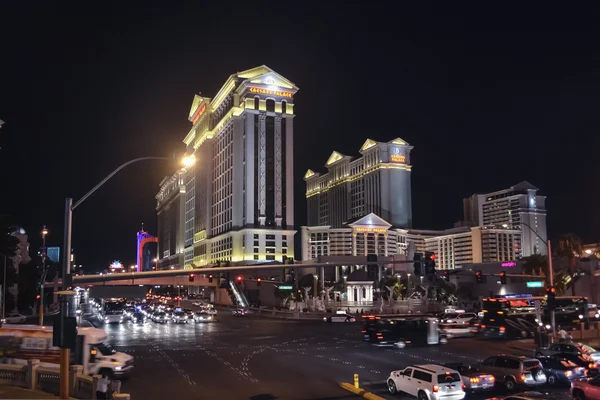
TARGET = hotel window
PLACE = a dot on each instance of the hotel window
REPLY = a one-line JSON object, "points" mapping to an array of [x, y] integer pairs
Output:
{"points": [[270, 105], [283, 107], [256, 103]]}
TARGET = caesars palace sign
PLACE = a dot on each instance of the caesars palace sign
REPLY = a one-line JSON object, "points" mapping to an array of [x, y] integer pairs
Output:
{"points": [[271, 92], [370, 230]]}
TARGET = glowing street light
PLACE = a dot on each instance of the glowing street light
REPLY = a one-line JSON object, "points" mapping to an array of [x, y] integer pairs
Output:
{"points": [[588, 251], [188, 161]]}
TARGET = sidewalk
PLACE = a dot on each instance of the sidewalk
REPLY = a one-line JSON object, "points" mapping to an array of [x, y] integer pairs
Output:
{"points": [[12, 392]]}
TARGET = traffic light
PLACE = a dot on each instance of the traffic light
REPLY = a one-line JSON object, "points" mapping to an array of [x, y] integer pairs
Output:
{"points": [[417, 258], [258, 281], [191, 277], [38, 297], [503, 278], [429, 263], [447, 276], [478, 276], [210, 278], [551, 301], [239, 279]]}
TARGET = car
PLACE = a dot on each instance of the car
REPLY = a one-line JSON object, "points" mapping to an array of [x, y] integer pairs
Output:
{"points": [[586, 389], [203, 317], [138, 318], [240, 312], [456, 330], [472, 377], [14, 318], [581, 360], [568, 348], [514, 371], [179, 317], [160, 317], [427, 382], [339, 318], [457, 318], [561, 370]]}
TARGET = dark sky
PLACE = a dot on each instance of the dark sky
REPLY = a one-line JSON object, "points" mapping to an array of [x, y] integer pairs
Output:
{"points": [[488, 97]]}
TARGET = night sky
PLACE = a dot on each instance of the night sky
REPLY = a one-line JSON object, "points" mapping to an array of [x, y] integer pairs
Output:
{"points": [[487, 96]]}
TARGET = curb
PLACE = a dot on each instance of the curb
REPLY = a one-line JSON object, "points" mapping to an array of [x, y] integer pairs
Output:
{"points": [[360, 392]]}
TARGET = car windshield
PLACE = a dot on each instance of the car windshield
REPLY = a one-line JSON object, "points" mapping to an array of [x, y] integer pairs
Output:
{"points": [[531, 364], [179, 314], [449, 316], [105, 349], [587, 349], [448, 377]]}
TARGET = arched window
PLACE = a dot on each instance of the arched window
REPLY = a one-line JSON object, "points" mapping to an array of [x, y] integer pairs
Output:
{"points": [[283, 107], [319, 236], [364, 294], [319, 250], [270, 105], [256, 103]]}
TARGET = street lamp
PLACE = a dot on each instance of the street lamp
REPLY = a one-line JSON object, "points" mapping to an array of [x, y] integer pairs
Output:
{"points": [[588, 252], [133, 267], [43, 278], [156, 261], [187, 162]]}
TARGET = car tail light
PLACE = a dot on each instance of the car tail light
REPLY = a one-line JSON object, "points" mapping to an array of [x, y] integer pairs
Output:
{"points": [[502, 329], [363, 331], [464, 387], [585, 372], [591, 365], [436, 388], [523, 377], [474, 380], [491, 378], [482, 326]]}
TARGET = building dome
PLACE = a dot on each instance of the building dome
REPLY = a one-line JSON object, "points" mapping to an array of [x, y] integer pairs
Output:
{"points": [[359, 275]]}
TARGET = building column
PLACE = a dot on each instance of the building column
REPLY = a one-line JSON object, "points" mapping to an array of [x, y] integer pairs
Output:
{"points": [[337, 274], [353, 243], [262, 177], [365, 242], [385, 239], [278, 173]]}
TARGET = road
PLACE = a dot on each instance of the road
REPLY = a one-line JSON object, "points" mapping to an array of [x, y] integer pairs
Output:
{"points": [[262, 358]]}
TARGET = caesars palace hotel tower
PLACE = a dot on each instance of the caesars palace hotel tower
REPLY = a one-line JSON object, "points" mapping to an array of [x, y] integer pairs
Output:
{"points": [[236, 203]]}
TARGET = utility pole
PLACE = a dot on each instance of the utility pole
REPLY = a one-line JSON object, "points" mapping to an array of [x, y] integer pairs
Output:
{"points": [[551, 272], [43, 278]]}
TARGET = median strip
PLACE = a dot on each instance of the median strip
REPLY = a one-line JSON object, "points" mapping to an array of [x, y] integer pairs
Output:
{"points": [[360, 392]]}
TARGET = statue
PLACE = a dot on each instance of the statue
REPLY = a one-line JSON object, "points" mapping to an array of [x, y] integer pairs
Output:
{"points": [[327, 291], [391, 294], [306, 289]]}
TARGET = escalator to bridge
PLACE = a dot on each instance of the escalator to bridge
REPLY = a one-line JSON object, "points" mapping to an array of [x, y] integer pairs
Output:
{"points": [[237, 296]]}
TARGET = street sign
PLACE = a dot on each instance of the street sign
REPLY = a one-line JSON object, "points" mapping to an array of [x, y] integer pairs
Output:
{"points": [[285, 288], [535, 284]]}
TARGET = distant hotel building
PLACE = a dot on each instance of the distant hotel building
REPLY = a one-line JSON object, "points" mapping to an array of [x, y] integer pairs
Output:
{"points": [[518, 207], [236, 203], [377, 182], [373, 235]]}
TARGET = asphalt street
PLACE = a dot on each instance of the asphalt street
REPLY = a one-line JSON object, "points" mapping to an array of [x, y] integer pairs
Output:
{"points": [[255, 357]]}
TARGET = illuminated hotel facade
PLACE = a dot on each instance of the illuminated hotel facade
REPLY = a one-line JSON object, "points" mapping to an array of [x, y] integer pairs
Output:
{"points": [[518, 207], [377, 182], [236, 203], [373, 235]]}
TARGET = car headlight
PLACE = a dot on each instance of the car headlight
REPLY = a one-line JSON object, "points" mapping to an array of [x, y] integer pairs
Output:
{"points": [[118, 368], [580, 316]]}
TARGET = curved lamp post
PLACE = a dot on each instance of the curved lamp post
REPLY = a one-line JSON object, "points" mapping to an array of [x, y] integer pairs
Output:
{"points": [[187, 162]]}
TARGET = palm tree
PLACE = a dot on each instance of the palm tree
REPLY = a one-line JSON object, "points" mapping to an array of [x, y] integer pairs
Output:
{"points": [[535, 264]]}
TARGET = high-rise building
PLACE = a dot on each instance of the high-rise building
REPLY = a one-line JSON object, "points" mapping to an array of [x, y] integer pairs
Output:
{"points": [[170, 207], [518, 207], [238, 198], [378, 182]]}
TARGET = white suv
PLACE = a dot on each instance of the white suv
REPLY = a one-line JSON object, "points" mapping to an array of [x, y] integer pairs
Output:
{"points": [[427, 382]]}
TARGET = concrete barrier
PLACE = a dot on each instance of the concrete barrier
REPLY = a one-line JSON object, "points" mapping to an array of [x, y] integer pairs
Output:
{"points": [[32, 376]]}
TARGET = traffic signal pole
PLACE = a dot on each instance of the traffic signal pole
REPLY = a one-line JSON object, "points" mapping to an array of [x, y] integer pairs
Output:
{"points": [[551, 272]]}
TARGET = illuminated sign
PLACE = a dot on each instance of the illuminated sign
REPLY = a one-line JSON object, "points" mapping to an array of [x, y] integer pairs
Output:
{"points": [[369, 230], [272, 92], [116, 265], [535, 284], [398, 158], [198, 113], [285, 288], [509, 264]]}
